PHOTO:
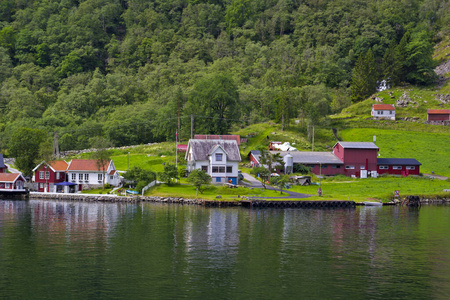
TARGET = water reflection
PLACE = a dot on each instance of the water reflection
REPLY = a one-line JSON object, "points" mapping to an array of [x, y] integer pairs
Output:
{"points": [[167, 251]]}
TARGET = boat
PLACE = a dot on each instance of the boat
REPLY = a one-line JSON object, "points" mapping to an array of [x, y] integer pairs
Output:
{"points": [[132, 192], [372, 203]]}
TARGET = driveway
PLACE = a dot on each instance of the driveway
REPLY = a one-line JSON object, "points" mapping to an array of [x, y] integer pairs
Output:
{"points": [[255, 183]]}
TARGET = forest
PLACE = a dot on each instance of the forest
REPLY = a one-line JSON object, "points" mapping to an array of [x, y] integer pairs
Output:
{"points": [[138, 71]]}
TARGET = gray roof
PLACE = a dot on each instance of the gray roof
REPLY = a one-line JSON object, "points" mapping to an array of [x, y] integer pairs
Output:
{"points": [[357, 145], [308, 157], [2, 162], [201, 149], [398, 161]]}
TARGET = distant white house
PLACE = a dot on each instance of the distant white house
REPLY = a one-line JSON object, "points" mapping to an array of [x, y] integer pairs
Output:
{"points": [[88, 172], [383, 111], [218, 158]]}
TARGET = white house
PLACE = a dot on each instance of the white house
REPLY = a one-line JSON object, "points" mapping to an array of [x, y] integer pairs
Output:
{"points": [[88, 172], [383, 111], [218, 158]]}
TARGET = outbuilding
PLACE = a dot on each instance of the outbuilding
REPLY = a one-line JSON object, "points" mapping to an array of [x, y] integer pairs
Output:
{"points": [[383, 111], [398, 166], [438, 115]]}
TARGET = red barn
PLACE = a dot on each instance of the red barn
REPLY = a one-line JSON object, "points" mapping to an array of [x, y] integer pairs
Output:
{"points": [[356, 156], [46, 175], [438, 115], [399, 166]]}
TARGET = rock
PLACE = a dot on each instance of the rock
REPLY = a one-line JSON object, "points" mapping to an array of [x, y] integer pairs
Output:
{"points": [[218, 197]]}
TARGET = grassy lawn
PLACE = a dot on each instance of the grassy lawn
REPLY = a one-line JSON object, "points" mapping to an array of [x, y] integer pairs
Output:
{"points": [[430, 149], [210, 193], [381, 188]]}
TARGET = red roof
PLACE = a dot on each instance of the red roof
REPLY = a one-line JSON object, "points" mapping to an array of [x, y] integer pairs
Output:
{"points": [[9, 177], [182, 147], [59, 165], [85, 165], [112, 172], [439, 111], [383, 107]]}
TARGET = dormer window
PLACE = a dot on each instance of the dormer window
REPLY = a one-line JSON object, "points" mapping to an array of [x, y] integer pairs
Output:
{"points": [[219, 156]]}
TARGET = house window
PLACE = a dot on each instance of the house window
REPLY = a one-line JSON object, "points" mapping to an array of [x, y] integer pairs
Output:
{"points": [[111, 177], [383, 167], [58, 175], [396, 167], [205, 168], [362, 167], [336, 167], [410, 167], [229, 169], [86, 177], [47, 175], [221, 169], [74, 176], [379, 112], [100, 177], [41, 175], [219, 156], [324, 166], [41, 185], [391, 112], [215, 169], [80, 177], [6, 185], [349, 167]]}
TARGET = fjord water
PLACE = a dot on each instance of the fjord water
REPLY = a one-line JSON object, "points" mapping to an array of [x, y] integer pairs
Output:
{"points": [[60, 250]]}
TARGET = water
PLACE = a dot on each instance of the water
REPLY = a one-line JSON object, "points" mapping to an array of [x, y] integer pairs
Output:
{"points": [[61, 250]]}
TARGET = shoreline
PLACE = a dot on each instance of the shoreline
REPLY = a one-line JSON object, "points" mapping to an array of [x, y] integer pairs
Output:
{"points": [[216, 203]]}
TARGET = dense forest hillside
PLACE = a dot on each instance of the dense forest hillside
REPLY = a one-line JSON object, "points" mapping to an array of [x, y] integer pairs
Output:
{"points": [[133, 71]]}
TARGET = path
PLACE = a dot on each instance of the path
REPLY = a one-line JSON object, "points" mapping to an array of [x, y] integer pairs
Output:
{"points": [[436, 176], [255, 183]]}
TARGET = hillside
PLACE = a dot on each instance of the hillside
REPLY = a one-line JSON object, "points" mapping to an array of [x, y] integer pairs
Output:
{"points": [[133, 71]]}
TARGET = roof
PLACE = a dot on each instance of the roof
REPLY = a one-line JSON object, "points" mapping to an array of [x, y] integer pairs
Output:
{"points": [[10, 177], [85, 165], [59, 165], [229, 137], [398, 161], [383, 107], [2, 162], [182, 147], [309, 157], [357, 145], [438, 111], [201, 149], [112, 172]]}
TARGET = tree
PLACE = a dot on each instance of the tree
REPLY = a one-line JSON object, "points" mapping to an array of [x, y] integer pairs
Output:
{"points": [[101, 155], [169, 174], [261, 172], [140, 176], [280, 181], [364, 77], [270, 160], [198, 178], [26, 145], [391, 66]]}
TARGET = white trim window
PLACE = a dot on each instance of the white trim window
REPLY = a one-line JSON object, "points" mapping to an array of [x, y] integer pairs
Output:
{"points": [[41, 174], [410, 167], [219, 156], [86, 177], [396, 167], [383, 167], [58, 175], [47, 175], [41, 185], [99, 177], [350, 167], [7, 185], [362, 167], [74, 177], [80, 177]]}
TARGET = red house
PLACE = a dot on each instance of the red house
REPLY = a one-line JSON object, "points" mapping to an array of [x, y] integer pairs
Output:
{"points": [[46, 175], [398, 166], [356, 156], [438, 115], [11, 182]]}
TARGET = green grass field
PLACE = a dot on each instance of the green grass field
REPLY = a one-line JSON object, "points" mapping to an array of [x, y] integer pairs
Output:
{"points": [[381, 188]]}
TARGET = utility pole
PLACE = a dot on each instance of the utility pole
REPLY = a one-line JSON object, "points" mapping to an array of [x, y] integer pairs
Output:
{"points": [[313, 140], [192, 126], [55, 145]]}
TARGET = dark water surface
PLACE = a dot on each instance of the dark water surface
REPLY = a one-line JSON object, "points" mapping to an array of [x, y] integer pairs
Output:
{"points": [[71, 250]]}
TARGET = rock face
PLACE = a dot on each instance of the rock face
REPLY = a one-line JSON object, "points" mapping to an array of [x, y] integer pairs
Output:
{"points": [[443, 68], [445, 99], [405, 101]]}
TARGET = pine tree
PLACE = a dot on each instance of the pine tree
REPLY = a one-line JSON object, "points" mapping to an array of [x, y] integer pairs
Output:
{"points": [[391, 66], [364, 77]]}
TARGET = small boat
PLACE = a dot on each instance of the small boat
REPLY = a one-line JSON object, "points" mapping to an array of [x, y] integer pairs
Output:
{"points": [[132, 192], [372, 203]]}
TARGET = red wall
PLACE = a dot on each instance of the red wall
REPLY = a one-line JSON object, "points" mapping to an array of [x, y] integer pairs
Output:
{"points": [[329, 170], [438, 117], [52, 178], [253, 159], [403, 171], [357, 158]]}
